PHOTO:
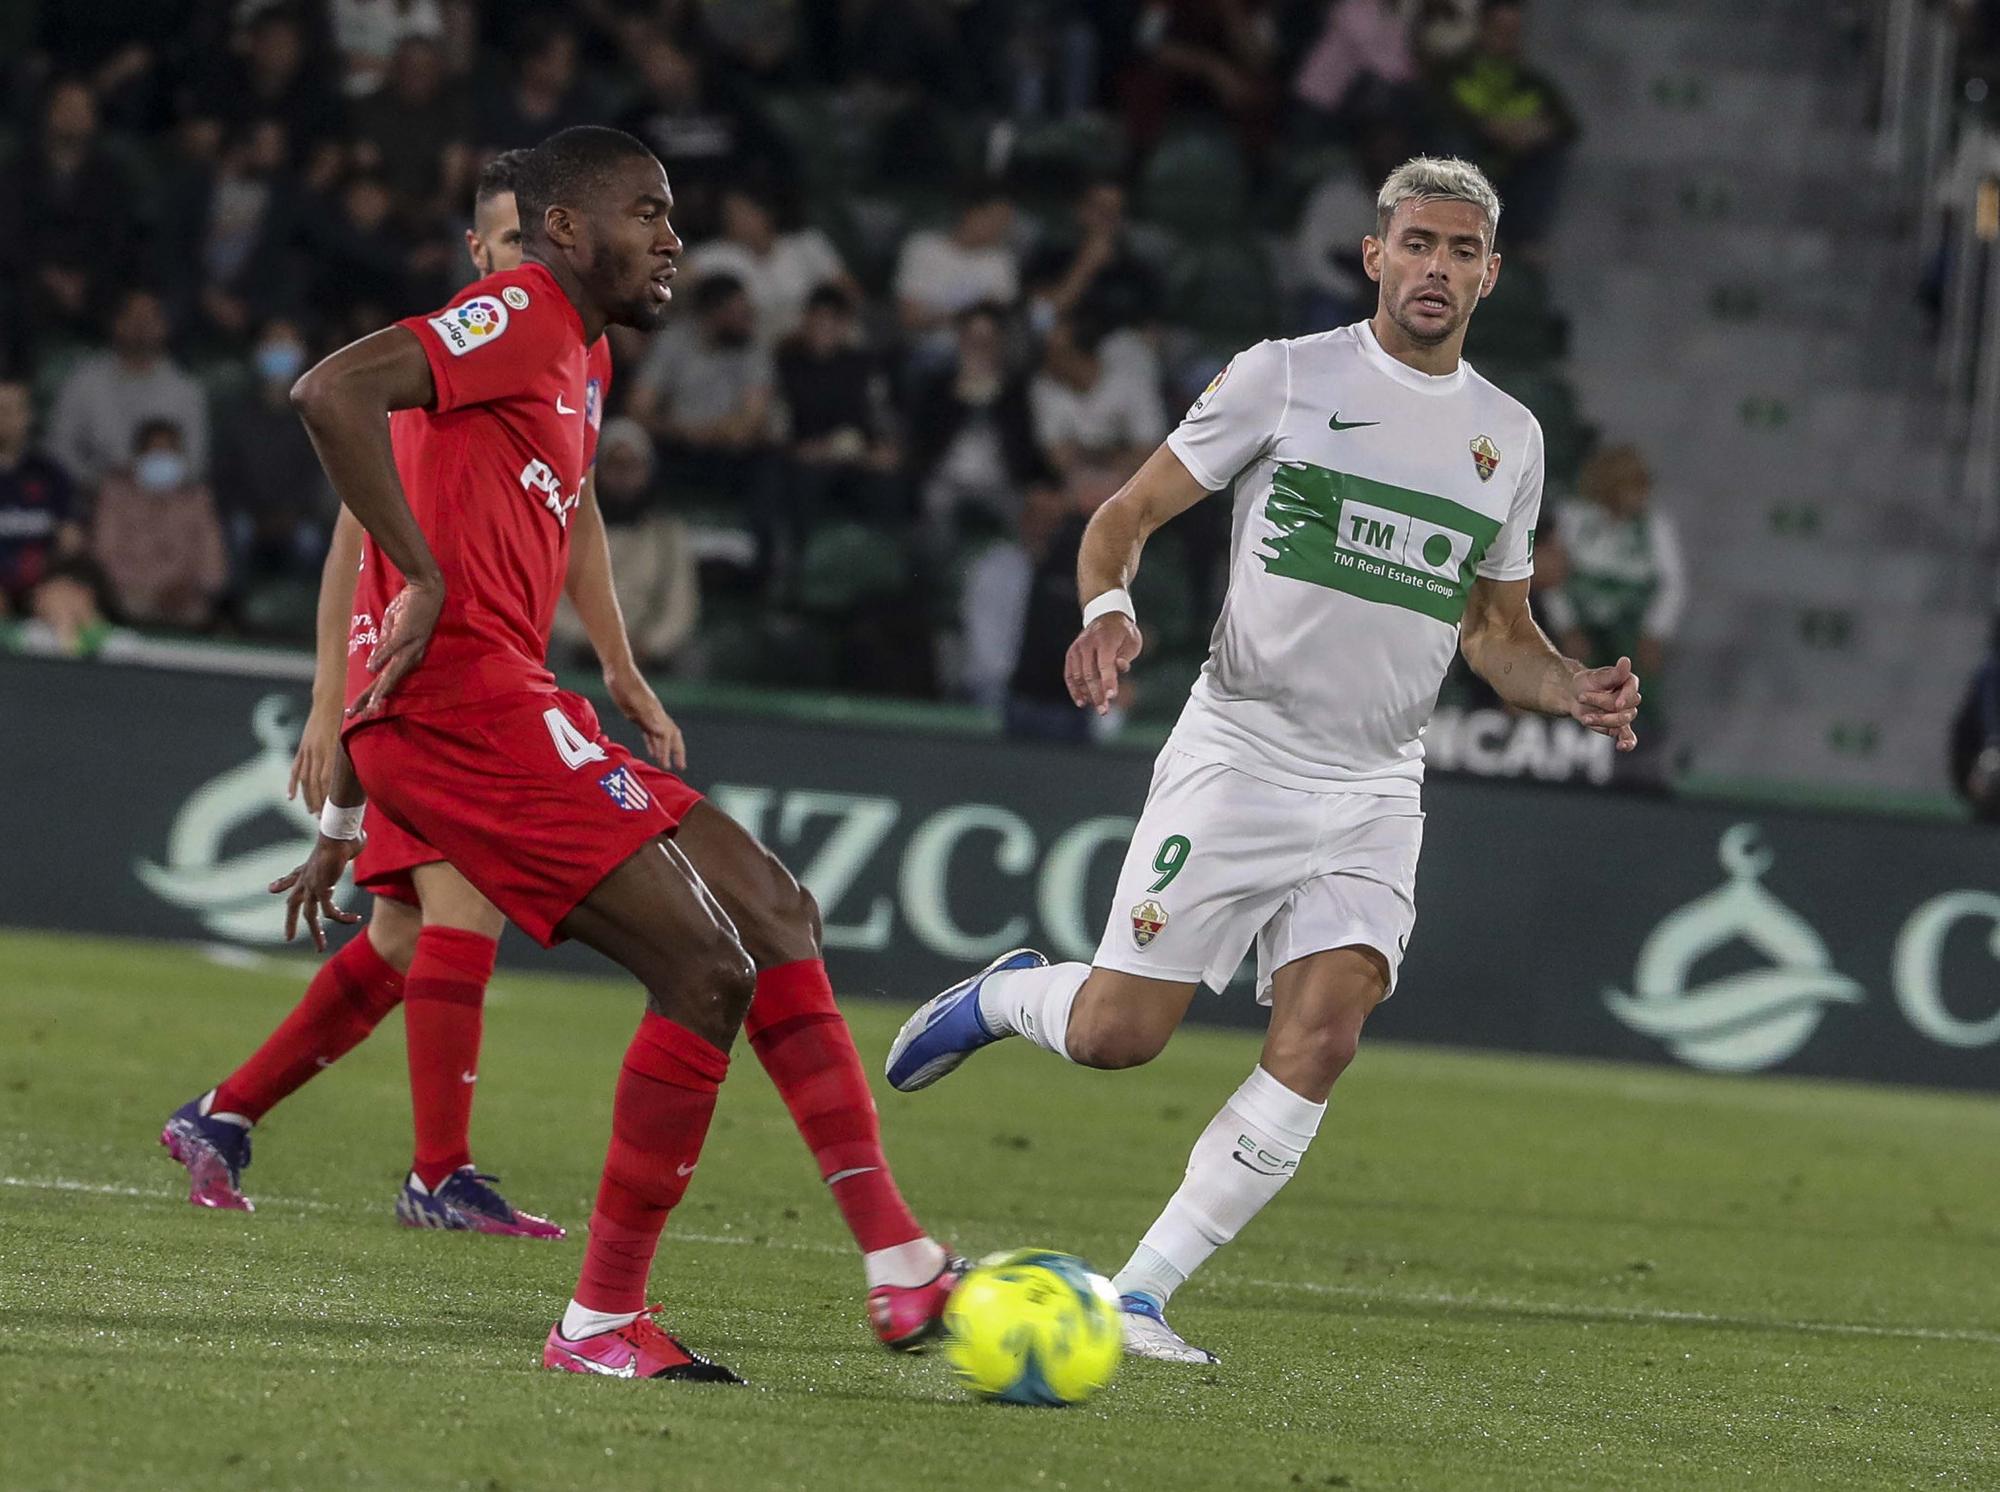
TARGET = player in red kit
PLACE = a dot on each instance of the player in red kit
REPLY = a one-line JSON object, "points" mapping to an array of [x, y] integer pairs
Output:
{"points": [[431, 939], [461, 738]]}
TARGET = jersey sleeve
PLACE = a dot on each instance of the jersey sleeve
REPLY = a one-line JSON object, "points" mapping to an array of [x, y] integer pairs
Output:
{"points": [[1512, 555], [490, 345], [1236, 417]]}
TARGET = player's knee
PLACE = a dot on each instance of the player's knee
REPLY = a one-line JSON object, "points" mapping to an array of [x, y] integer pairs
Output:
{"points": [[394, 936], [1114, 1046], [1316, 1056], [731, 980]]}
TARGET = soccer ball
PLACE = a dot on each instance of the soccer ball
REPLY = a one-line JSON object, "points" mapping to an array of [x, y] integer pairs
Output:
{"points": [[1033, 1327]]}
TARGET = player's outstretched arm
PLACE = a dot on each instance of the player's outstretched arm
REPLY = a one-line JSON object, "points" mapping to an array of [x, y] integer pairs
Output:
{"points": [[1506, 648], [1161, 489], [319, 742], [595, 597], [344, 401]]}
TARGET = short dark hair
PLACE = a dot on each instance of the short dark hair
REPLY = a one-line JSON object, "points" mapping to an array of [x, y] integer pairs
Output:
{"points": [[567, 167], [713, 292], [143, 436], [497, 176], [828, 296]]}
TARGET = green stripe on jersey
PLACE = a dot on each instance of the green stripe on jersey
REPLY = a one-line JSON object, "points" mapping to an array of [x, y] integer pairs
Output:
{"points": [[1374, 540]]}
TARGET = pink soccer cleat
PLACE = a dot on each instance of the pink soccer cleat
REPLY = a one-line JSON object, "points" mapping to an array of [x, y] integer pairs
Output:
{"points": [[215, 1153], [464, 1203], [639, 1349], [905, 1317]]}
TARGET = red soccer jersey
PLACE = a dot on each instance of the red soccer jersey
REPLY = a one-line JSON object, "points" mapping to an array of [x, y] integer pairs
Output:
{"points": [[492, 471]]}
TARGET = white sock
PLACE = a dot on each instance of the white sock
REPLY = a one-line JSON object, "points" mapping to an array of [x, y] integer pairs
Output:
{"points": [[579, 1321], [206, 1108], [1033, 1003], [1242, 1160], [914, 1263]]}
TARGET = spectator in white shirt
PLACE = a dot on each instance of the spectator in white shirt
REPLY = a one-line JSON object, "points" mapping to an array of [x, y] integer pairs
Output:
{"points": [[1096, 401], [940, 274], [102, 404], [780, 270]]}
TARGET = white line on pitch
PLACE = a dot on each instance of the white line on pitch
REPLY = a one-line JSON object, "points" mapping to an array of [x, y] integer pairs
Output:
{"points": [[1634, 1315], [171, 1194], [1550, 1310]]}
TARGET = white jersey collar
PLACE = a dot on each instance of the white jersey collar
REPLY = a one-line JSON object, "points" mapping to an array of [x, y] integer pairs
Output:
{"points": [[1403, 373]]}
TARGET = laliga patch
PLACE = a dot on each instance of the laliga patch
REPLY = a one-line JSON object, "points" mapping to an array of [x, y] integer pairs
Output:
{"points": [[1485, 456], [1214, 383], [625, 789], [475, 323], [593, 403], [1148, 918], [516, 297]]}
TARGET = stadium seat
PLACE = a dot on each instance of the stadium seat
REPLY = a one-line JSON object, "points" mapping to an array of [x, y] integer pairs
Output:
{"points": [[1196, 183]]}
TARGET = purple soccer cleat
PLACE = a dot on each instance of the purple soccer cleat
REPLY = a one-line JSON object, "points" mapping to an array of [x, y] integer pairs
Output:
{"points": [[464, 1202], [215, 1152]]}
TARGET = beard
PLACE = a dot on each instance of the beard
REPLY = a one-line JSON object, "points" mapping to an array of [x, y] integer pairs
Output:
{"points": [[639, 311], [1426, 336]]}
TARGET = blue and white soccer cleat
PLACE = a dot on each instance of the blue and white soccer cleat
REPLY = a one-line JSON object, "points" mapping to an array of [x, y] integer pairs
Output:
{"points": [[947, 1029], [1148, 1335]]}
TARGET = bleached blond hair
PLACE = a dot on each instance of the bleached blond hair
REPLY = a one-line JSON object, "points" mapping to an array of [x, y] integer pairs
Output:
{"points": [[1428, 178]]}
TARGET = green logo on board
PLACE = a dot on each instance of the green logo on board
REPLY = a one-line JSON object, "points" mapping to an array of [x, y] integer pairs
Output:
{"points": [[1379, 542]]}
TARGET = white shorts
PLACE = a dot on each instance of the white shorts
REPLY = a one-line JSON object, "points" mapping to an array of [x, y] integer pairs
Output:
{"points": [[1221, 859]]}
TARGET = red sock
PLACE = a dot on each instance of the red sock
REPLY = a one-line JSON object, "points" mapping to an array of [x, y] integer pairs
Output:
{"points": [[442, 1000], [666, 1094], [347, 998], [805, 1046]]}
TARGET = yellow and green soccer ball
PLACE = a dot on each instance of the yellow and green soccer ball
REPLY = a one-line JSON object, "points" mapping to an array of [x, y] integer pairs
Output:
{"points": [[1033, 1327]]}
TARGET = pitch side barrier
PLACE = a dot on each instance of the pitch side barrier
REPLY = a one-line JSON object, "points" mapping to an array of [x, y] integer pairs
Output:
{"points": [[150, 802]]}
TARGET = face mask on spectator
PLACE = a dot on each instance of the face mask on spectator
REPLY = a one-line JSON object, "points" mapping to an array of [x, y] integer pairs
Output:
{"points": [[279, 362], [160, 471]]}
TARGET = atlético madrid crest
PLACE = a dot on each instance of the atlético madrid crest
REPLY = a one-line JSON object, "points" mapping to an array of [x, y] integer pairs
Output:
{"points": [[1147, 919], [1485, 456]]}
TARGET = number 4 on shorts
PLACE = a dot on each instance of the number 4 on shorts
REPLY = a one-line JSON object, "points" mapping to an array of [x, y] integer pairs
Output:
{"points": [[572, 745], [1172, 855]]}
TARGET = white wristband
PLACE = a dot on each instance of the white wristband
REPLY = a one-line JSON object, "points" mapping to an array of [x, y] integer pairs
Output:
{"points": [[1110, 601], [336, 822]]}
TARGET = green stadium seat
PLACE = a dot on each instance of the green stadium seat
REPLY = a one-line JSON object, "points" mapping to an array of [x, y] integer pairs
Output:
{"points": [[847, 565], [1197, 184], [1225, 291]]}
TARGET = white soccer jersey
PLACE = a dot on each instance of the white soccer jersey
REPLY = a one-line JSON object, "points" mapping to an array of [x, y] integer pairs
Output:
{"points": [[1367, 497]]}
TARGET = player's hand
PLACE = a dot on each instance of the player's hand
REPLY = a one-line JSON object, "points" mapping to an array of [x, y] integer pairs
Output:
{"points": [[312, 763], [1102, 651], [1607, 700], [312, 886], [638, 703], [406, 631]]}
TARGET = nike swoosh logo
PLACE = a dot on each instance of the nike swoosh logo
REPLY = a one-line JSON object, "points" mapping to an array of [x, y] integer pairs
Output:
{"points": [[1337, 423], [684, 1170], [1237, 1156], [468, 1077], [628, 1370], [562, 408], [850, 1173]]}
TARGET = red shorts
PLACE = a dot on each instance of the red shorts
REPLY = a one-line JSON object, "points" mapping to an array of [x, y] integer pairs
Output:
{"points": [[524, 794], [389, 852]]}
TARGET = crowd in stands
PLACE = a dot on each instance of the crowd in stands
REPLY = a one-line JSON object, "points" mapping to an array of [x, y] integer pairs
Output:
{"points": [[953, 269]]}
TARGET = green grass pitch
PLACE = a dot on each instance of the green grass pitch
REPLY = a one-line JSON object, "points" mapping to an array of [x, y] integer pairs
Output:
{"points": [[1492, 1272]]}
